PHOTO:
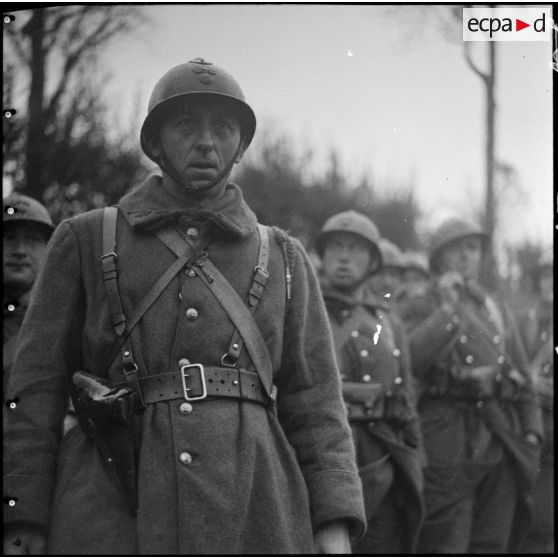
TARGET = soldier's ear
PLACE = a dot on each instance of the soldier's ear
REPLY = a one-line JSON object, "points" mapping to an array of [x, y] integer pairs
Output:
{"points": [[239, 154], [155, 148]]}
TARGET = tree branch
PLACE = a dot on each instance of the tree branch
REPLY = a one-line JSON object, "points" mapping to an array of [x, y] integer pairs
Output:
{"points": [[468, 58], [17, 43], [57, 21], [104, 31]]}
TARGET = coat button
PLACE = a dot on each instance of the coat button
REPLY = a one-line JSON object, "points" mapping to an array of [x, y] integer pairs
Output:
{"points": [[496, 339], [192, 314], [367, 378], [396, 352], [449, 327], [480, 404], [355, 333], [501, 359], [498, 377], [364, 353], [544, 335], [469, 359], [185, 458], [463, 339], [183, 362], [345, 313], [398, 380], [185, 408], [192, 232]]}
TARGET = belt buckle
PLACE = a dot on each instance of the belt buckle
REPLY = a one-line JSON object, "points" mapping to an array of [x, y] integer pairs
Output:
{"points": [[185, 375]]}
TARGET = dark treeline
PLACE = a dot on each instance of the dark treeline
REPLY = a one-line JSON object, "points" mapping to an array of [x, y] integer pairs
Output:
{"points": [[70, 147], [279, 187]]}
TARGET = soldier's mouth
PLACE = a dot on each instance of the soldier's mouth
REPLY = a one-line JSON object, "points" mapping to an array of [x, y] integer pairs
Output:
{"points": [[203, 165]]}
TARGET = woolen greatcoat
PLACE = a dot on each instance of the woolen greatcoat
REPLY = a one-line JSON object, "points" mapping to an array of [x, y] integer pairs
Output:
{"points": [[537, 329], [12, 318], [372, 347], [465, 434], [258, 482]]}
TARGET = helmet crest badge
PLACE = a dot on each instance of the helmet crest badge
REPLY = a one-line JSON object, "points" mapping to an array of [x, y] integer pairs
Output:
{"points": [[204, 72]]}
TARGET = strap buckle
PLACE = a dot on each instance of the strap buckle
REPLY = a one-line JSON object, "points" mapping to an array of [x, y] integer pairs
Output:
{"points": [[186, 389], [259, 270]]}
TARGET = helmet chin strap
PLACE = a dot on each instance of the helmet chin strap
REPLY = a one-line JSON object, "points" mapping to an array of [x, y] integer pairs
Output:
{"points": [[166, 166]]}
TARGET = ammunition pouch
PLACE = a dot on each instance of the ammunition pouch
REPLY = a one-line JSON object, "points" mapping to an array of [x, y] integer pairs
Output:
{"points": [[367, 402], [106, 414], [479, 383]]}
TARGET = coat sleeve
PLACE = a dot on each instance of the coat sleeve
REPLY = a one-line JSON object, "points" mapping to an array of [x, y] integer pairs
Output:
{"points": [[431, 329], [310, 405], [49, 349], [528, 405]]}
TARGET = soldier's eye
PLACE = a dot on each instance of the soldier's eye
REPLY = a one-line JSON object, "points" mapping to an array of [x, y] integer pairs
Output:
{"points": [[185, 122]]}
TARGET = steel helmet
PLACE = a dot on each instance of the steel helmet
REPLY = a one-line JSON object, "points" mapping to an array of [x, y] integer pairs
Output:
{"points": [[23, 209], [355, 223], [449, 231], [416, 260], [391, 254], [196, 77]]}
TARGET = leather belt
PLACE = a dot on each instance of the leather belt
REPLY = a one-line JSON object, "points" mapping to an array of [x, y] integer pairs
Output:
{"points": [[195, 382]]}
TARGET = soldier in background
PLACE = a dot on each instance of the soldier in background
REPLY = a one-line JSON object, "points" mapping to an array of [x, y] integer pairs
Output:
{"points": [[386, 281], [27, 228], [373, 355], [480, 418], [537, 330], [415, 273]]}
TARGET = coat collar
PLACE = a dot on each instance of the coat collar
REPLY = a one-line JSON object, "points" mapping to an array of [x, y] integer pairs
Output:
{"points": [[367, 300], [151, 204]]}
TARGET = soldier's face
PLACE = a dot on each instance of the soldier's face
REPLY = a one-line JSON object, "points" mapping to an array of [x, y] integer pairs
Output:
{"points": [[24, 251], [414, 278], [464, 256], [346, 261], [386, 281], [201, 141]]}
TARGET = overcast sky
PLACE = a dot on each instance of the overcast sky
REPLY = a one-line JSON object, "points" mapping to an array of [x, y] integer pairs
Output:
{"points": [[389, 91]]}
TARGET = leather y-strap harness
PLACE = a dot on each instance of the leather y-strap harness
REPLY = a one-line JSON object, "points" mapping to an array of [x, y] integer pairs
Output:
{"points": [[227, 381], [241, 313]]}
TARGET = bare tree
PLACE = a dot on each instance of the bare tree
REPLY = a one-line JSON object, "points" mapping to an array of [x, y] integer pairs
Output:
{"points": [[488, 78], [449, 19], [71, 36]]}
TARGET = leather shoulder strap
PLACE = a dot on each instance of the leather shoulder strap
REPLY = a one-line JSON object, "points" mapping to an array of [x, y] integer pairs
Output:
{"points": [[109, 258], [231, 302], [242, 319], [108, 263]]}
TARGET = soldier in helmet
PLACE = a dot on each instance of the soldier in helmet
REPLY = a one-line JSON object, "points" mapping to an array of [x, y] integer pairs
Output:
{"points": [[416, 271], [373, 355], [387, 281], [27, 227], [201, 365], [537, 329], [480, 419]]}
